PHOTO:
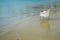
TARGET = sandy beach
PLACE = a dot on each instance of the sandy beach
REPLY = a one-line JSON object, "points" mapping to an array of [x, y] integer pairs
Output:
{"points": [[32, 28]]}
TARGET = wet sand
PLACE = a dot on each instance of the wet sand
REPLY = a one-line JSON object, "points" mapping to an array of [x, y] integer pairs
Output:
{"points": [[32, 28]]}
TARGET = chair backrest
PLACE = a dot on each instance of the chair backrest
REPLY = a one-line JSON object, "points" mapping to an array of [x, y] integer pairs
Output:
{"points": [[46, 13]]}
